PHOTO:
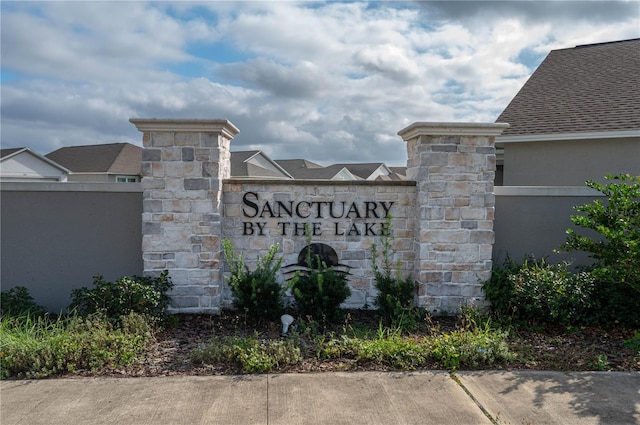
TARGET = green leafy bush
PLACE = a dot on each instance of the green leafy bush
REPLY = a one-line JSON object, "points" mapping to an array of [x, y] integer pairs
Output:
{"points": [[604, 293], [36, 348], [615, 249], [536, 291], [256, 293], [395, 299], [143, 295], [617, 222], [17, 302], [319, 292]]}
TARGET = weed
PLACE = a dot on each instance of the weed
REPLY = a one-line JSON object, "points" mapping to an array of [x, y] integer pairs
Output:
{"points": [[600, 363], [633, 342], [250, 354], [40, 347], [471, 347]]}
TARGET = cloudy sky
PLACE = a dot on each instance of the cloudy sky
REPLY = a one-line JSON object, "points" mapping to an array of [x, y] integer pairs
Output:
{"points": [[326, 81]]}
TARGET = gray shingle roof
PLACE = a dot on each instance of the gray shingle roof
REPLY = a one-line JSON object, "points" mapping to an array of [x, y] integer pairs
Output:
{"points": [[588, 88], [362, 170], [304, 169], [9, 151], [242, 167], [116, 158]]}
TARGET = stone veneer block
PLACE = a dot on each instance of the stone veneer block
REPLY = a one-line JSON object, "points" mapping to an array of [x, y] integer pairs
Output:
{"points": [[353, 251], [442, 219], [454, 165], [184, 161]]}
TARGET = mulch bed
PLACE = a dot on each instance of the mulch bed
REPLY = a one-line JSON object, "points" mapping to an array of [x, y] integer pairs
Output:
{"points": [[550, 348]]}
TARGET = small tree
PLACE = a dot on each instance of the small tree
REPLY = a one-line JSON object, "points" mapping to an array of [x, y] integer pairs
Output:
{"points": [[395, 299], [257, 294], [617, 221], [320, 289]]}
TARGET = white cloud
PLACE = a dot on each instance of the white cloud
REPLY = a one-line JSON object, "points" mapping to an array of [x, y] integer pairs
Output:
{"points": [[330, 82]]}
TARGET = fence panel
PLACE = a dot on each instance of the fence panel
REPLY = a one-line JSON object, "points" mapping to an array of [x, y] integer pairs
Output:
{"points": [[533, 220], [56, 237]]}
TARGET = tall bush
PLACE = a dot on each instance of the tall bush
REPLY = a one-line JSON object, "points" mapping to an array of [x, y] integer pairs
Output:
{"points": [[615, 248], [395, 299], [319, 290], [617, 222], [257, 294]]}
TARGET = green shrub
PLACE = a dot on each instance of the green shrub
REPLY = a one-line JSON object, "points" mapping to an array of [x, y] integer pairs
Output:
{"points": [[37, 348], [395, 299], [536, 291], [17, 302], [256, 293], [142, 295], [617, 222], [613, 304], [615, 249], [319, 292]]}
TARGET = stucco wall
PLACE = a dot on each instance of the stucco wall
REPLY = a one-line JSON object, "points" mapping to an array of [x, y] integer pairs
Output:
{"points": [[534, 221], [569, 163], [53, 241], [57, 236], [347, 216]]}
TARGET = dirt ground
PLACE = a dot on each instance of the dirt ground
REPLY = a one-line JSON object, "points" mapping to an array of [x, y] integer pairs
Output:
{"points": [[543, 349]]}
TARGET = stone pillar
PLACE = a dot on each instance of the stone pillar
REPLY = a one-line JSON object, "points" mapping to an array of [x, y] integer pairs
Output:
{"points": [[183, 164], [454, 167]]}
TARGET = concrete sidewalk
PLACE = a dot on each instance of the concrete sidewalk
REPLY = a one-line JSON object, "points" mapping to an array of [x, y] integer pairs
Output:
{"points": [[437, 397]]}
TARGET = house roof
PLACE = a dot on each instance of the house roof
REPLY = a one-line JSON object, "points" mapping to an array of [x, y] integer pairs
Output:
{"points": [[295, 164], [10, 151], [589, 88], [112, 158], [255, 164], [19, 157], [304, 169], [363, 170], [402, 171]]}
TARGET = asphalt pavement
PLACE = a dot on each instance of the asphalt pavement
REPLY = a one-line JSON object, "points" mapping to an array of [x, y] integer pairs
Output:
{"points": [[426, 397]]}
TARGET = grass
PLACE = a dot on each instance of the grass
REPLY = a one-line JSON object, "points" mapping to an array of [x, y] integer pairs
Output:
{"points": [[38, 346], [388, 348]]}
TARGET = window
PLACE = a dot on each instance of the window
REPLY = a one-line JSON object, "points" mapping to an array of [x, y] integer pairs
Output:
{"points": [[126, 179]]}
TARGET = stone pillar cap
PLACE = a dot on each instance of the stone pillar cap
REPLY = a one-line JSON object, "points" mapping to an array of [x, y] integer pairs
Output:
{"points": [[203, 125], [451, 129]]}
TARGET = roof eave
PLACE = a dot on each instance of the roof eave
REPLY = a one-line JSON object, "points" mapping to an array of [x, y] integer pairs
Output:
{"points": [[274, 163], [41, 157], [619, 134]]}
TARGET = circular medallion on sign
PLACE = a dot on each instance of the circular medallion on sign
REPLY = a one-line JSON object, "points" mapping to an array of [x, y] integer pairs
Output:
{"points": [[320, 253]]}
